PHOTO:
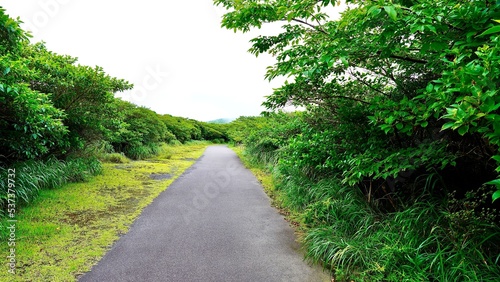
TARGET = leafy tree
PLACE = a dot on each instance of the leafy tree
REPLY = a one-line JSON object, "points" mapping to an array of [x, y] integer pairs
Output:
{"points": [[84, 93], [389, 61], [213, 132], [141, 127], [30, 125], [401, 101], [243, 127]]}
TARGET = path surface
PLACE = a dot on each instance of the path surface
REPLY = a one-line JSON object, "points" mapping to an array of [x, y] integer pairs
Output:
{"points": [[214, 223]]}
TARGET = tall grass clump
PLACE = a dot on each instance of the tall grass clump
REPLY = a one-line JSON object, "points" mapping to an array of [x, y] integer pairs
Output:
{"points": [[262, 151], [32, 176], [166, 151], [141, 152], [118, 158], [424, 241]]}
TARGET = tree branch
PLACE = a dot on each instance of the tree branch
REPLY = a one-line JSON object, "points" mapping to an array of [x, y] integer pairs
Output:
{"points": [[368, 85], [349, 98], [310, 25], [408, 59]]}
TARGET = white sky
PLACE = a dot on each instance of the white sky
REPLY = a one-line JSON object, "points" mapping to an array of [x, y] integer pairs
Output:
{"points": [[175, 52], [179, 59]]}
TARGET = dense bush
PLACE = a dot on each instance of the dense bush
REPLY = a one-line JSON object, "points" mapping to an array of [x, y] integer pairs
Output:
{"points": [[388, 162], [242, 127], [186, 129], [30, 125], [141, 133], [85, 94]]}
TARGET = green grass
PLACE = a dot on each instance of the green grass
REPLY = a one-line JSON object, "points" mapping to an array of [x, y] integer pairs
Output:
{"points": [[143, 151], [68, 229], [118, 158], [440, 240], [32, 176]]}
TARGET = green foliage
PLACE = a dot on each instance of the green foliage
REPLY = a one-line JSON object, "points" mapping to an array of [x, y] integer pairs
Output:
{"points": [[188, 129], [30, 126], [213, 132], [401, 109], [118, 158], [242, 127], [140, 152], [11, 35], [142, 126], [470, 82], [180, 127], [85, 94]]}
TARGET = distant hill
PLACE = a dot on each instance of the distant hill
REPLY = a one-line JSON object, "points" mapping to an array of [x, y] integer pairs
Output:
{"points": [[221, 120]]}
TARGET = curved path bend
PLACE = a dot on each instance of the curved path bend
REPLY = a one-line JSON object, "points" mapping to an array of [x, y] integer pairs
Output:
{"points": [[214, 223]]}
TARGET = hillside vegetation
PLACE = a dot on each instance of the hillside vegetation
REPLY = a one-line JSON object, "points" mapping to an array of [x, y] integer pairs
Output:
{"points": [[393, 166]]}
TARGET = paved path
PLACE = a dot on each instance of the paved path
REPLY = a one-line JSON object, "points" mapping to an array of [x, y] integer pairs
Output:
{"points": [[214, 223]]}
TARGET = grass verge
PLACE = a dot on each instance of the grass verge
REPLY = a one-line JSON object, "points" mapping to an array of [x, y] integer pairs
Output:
{"points": [[432, 240], [68, 229]]}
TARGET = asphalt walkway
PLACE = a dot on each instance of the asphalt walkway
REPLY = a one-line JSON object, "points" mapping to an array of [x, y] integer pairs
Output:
{"points": [[214, 223]]}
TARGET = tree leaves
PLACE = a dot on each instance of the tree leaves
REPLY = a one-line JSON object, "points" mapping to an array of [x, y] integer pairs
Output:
{"points": [[419, 70], [391, 12], [374, 10], [496, 195], [400, 103], [491, 30]]}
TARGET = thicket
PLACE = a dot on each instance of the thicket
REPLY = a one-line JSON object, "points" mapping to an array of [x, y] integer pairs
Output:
{"points": [[57, 118], [393, 164]]}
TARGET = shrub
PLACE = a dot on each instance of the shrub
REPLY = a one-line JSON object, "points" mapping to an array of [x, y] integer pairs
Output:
{"points": [[142, 151], [115, 158]]}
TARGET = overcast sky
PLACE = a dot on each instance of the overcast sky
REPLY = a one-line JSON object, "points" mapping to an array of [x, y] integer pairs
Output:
{"points": [[175, 52], [179, 59]]}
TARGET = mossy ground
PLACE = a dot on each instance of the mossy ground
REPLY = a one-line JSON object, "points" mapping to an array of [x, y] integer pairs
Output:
{"points": [[67, 230]]}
